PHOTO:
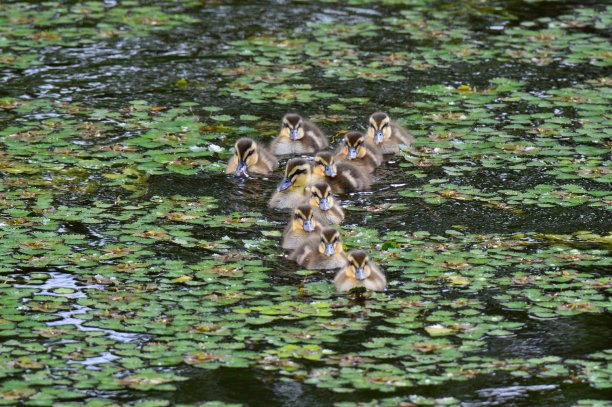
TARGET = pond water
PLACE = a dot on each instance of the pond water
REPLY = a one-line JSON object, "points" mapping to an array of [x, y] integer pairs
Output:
{"points": [[135, 272]]}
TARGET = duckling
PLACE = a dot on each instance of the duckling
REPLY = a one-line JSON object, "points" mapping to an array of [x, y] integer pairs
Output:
{"points": [[360, 272], [294, 187], [250, 156], [341, 177], [298, 136], [321, 252], [302, 226], [356, 150], [325, 208], [386, 134]]}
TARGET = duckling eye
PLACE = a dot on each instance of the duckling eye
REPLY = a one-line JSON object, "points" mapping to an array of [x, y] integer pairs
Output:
{"points": [[384, 125], [286, 125], [250, 153]]}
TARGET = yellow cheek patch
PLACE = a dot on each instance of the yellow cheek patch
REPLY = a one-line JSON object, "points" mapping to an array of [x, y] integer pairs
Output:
{"points": [[361, 151]]}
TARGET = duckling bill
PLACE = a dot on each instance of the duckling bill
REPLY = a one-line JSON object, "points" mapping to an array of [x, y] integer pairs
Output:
{"points": [[250, 157], [360, 272], [298, 136]]}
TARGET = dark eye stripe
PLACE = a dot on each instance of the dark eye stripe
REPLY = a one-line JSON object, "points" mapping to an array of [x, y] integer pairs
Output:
{"points": [[297, 172]]}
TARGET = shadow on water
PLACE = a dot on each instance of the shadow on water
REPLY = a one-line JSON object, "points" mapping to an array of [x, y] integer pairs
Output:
{"points": [[240, 195]]}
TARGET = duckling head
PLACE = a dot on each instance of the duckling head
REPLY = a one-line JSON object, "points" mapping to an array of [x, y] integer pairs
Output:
{"points": [[354, 145], [303, 219], [293, 126], [246, 153], [379, 129], [321, 197], [358, 267], [325, 164], [297, 174], [330, 242]]}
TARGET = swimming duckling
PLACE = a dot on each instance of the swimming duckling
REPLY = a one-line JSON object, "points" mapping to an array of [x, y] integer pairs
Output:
{"points": [[342, 177], [356, 150], [386, 134], [298, 136], [293, 188], [248, 156], [321, 252], [326, 209], [360, 272], [302, 226]]}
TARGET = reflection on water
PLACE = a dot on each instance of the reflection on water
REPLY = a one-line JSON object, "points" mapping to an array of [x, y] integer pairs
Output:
{"points": [[59, 280], [502, 396], [539, 337]]}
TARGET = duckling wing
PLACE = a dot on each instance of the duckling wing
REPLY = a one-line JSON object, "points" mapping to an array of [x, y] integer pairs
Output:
{"points": [[304, 248], [374, 153], [351, 178], [333, 216], [289, 237], [377, 280], [401, 134], [268, 160], [313, 131]]}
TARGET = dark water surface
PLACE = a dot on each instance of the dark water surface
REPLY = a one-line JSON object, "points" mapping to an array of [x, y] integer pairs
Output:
{"points": [[107, 75]]}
